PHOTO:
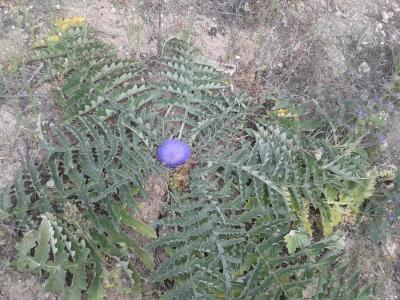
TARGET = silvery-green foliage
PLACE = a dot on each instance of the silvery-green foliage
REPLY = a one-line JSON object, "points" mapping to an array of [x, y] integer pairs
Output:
{"points": [[241, 231]]}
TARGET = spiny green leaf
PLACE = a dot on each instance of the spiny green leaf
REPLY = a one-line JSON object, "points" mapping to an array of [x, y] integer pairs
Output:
{"points": [[296, 239], [128, 219]]}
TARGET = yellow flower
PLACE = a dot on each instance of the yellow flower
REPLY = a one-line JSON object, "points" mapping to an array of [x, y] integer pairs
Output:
{"points": [[11, 67], [64, 24], [53, 38], [284, 112], [45, 41]]}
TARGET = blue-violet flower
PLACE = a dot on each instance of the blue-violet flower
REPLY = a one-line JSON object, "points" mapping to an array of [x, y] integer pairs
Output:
{"points": [[173, 153]]}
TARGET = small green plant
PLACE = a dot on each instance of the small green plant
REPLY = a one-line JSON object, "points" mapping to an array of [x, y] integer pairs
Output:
{"points": [[255, 222], [396, 73]]}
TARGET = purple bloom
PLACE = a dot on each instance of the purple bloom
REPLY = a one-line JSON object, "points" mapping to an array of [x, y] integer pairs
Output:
{"points": [[173, 153], [392, 217], [362, 114], [381, 139]]}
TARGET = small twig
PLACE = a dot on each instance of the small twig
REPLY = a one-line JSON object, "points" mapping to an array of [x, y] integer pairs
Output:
{"points": [[25, 95], [35, 73], [346, 153], [21, 93], [168, 110], [338, 10], [218, 12], [11, 228], [39, 127], [160, 7], [182, 126], [166, 114]]}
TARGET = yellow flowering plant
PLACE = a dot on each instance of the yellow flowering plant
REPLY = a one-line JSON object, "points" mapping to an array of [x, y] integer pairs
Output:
{"points": [[61, 26]]}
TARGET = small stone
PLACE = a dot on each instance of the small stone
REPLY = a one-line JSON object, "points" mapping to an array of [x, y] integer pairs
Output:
{"points": [[113, 10], [50, 184], [364, 68], [390, 186], [318, 154], [212, 31], [57, 6], [386, 17]]}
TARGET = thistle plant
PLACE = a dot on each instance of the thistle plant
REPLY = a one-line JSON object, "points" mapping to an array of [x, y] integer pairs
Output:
{"points": [[257, 220]]}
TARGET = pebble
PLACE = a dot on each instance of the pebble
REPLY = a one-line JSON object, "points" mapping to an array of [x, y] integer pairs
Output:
{"points": [[364, 68], [51, 184], [386, 16]]}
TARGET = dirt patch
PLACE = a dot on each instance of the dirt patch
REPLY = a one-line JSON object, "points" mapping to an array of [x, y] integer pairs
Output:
{"points": [[104, 17], [154, 203], [319, 44], [380, 263], [12, 36], [10, 160], [139, 30], [389, 153]]}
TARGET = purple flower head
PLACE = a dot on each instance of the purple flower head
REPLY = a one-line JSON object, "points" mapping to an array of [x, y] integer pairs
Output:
{"points": [[381, 139], [392, 217], [173, 153], [362, 114], [376, 99]]}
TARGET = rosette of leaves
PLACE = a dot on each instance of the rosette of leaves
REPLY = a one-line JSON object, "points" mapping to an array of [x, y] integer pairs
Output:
{"points": [[248, 227]]}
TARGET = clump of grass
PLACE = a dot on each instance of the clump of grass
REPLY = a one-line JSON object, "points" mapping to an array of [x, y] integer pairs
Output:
{"points": [[395, 82]]}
